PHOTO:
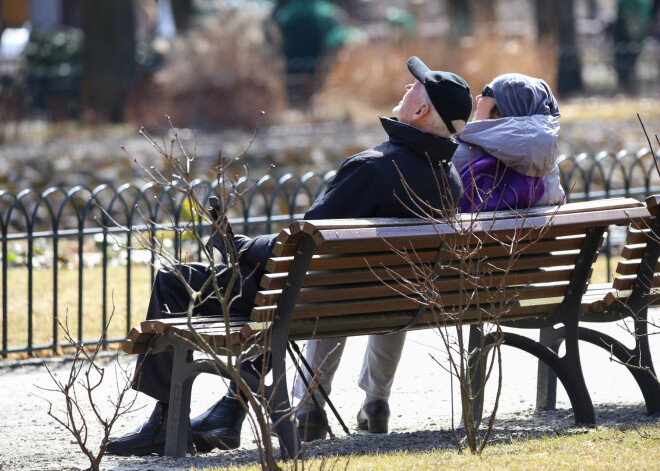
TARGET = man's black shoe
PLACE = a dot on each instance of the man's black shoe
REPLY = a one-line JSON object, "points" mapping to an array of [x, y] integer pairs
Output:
{"points": [[220, 426], [147, 439], [374, 416], [312, 424]]}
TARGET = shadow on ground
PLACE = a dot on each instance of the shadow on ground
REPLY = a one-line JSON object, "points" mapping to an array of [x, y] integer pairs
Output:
{"points": [[523, 426]]}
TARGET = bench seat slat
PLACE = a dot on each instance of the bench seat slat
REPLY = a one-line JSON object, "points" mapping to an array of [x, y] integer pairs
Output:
{"points": [[631, 252], [134, 348], [387, 321], [623, 283], [162, 326], [637, 236], [217, 336], [630, 267], [136, 335]]}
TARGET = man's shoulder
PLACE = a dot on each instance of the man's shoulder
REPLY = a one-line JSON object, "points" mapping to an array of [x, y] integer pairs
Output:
{"points": [[371, 155]]}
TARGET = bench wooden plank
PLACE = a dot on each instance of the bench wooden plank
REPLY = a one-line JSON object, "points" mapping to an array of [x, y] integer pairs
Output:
{"points": [[427, 236], [264, 313], [162, 326], [309, 227], [631, 252], [623, 283], [389, 288], [630, 267], [369, 273], [386, 257], [135, 348]]}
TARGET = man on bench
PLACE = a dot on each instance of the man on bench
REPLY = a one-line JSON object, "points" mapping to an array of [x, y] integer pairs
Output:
{"points": [[434, 107]]}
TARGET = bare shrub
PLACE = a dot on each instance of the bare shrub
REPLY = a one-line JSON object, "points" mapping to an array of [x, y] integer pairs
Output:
{"points": [[220, 74], [234, 357], [84, 407], [477, 58]]}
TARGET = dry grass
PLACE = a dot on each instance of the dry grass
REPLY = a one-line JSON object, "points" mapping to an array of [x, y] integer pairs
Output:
{"points": [[611, 109], [599, 449], [221, 74], [366, 80], [67, 302]]}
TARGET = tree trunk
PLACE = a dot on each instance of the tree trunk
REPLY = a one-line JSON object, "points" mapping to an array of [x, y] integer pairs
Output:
{"points": [[460, 18], [109, 60], [182, 10], [569, 74], [546, 21], [555, 24], [483, 10]]}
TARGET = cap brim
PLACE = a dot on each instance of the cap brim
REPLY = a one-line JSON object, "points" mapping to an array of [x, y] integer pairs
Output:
{"points": [[418, 68]]}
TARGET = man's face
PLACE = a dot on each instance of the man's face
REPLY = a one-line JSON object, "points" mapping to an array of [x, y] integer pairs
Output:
{"points": [[410, 103]]}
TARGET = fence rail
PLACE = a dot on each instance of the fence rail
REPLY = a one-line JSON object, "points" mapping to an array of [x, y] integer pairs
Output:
{"points": [[81, 239]]}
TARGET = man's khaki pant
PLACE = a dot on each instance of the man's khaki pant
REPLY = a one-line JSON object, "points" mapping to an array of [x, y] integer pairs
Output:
{"points": [[378, 366]]}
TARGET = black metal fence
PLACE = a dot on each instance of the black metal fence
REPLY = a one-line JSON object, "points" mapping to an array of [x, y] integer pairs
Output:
{"points": [[73, 251]]}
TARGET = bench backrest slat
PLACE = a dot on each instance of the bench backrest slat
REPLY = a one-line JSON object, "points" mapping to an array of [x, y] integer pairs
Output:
{"points": [[356, 272]]}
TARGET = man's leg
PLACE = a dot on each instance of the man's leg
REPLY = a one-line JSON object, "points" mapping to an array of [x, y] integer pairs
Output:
{"points": [[169, 298], [381, 360], [323, 357]]}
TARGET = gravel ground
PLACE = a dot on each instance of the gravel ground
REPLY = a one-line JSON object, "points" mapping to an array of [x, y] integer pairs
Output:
{"points": [[420, 403]]}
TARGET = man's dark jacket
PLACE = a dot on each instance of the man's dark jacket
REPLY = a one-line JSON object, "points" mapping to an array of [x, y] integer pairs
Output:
{"points": [[371, 184], [364, 186]]}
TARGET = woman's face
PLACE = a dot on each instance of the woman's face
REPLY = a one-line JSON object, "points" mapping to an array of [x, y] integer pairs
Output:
{"points": [[485, 105]]}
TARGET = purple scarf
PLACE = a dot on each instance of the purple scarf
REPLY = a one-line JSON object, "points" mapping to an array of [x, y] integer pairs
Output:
{"points": [[510, 189]]}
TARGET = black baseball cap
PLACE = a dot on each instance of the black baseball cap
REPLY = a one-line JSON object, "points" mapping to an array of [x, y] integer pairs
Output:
{"points": [[449, 93]]}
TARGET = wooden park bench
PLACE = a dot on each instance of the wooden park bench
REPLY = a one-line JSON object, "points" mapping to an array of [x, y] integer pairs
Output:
{"points": [[344, 277]]}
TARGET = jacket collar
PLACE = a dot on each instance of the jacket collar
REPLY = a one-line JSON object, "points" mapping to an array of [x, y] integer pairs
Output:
{"points": [[421, 143]]}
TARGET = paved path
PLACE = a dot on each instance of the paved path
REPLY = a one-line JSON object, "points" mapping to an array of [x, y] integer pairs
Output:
{"points": [[420, 403]]}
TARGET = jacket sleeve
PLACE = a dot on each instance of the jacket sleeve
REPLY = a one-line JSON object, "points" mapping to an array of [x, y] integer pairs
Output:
{"points": [[352, 193]]}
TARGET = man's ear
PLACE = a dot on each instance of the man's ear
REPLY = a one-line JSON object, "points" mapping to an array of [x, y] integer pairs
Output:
{"points": [[421, 111]]}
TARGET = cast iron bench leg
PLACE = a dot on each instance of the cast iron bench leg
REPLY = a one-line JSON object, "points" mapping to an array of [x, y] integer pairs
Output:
{"points": [[637, 360], [567, 369], [546, 380], [178, 420]]}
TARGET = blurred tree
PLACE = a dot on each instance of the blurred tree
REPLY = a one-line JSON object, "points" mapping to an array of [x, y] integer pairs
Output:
{"points": [[311, 31], [465, 14], [460, 18], [182, 11], [555, 21], [109, 58], [633, 21], [483, 9]]}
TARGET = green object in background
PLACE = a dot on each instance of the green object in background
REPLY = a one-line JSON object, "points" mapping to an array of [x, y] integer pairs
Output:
{"points": [[53, 65], [309, 28], [401, 21]]}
